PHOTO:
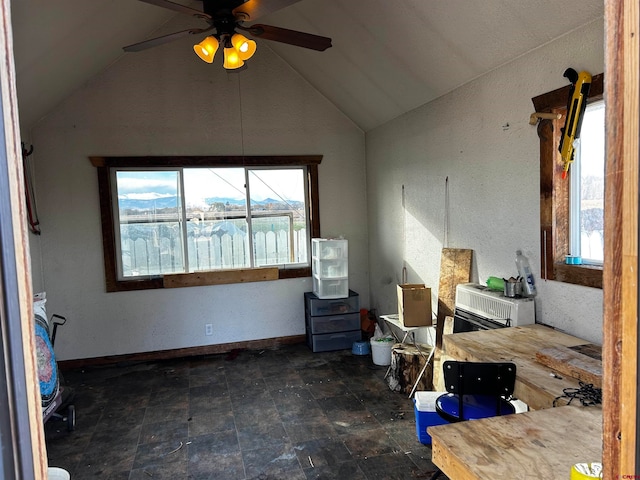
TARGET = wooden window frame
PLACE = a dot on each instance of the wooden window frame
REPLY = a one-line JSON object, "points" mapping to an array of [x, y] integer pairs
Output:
{"points": [[554, 192], [105, 187]]}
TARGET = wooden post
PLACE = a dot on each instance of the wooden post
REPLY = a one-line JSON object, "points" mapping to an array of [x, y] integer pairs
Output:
{"points": [[620, 328], [24, 440]]}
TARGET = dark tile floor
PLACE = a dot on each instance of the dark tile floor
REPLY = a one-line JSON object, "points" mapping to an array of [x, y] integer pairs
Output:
{"points": [[272, 414]]}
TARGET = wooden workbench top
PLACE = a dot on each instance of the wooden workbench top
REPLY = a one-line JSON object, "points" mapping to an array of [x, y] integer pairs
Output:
{"points": [[535, 384], [533, 445]]}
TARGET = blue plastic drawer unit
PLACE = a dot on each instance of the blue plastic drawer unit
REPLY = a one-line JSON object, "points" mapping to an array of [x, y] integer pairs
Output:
{"points": [[333, 341], [332, 324], [315, 306]]}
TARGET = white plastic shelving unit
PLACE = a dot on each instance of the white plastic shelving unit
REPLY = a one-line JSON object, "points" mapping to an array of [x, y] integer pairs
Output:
{"points": [[330, 267]]}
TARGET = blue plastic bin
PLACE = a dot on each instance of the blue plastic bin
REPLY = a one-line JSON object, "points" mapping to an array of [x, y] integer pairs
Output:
{"points": [[424, 404]]}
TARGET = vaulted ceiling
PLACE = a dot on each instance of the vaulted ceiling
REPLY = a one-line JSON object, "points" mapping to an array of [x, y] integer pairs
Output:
{"points": [[387, 58]]}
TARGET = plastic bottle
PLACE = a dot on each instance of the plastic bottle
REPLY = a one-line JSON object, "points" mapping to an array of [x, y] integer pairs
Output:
{"points": [[495, 283], [524, 270]]}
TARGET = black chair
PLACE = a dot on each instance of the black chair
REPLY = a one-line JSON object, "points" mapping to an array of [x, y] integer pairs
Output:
{"points": [[476, 390]]}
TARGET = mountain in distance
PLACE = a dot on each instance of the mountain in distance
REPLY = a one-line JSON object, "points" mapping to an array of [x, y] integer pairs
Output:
{"points": [[241, 201], [224, 200], [147, 204], [159, 203]]}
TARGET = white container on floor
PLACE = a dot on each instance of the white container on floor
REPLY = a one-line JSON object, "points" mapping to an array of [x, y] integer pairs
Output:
{"points": [[381, 351], [57, 473]]}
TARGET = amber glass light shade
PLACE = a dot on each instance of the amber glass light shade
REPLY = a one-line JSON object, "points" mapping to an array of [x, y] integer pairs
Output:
{"points": [[231, 59], [245, 47], [207, 49]]}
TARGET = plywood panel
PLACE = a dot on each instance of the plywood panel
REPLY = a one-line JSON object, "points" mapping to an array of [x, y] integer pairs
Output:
{"points": [[455, 268], [569, 362], [534, 384], [542, 444]]}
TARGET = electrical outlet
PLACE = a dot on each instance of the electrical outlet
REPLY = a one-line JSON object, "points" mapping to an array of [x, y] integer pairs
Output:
{"points": [[208, 329]]}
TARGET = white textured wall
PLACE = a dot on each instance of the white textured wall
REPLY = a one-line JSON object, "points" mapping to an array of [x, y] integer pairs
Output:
{"points": [[479, 137], [166, 101]]}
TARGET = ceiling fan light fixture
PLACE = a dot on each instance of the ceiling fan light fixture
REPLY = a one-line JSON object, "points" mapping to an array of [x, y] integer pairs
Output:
{"points": [[245, 47], [232, 59], [207, 49]]}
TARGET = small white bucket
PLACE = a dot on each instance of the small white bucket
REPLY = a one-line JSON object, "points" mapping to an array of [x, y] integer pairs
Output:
{"points": [[57, 473], [381, 351]]}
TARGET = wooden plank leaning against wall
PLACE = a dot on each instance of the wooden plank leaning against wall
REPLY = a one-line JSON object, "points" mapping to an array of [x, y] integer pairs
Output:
{"points": [[621, 246]]}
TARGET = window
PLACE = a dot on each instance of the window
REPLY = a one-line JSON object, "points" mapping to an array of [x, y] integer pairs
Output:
{"points": [[587, 189], [165, 216], [196, 219], [555, 195]]}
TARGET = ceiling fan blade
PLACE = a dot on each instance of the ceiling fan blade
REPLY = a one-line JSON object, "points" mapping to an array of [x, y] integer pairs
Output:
{"points": [[292, 37], [258, 8], [177, 7], [154, 42]]}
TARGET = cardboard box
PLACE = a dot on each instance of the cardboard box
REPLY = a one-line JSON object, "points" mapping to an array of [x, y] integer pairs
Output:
{"points": [[414, 305]]}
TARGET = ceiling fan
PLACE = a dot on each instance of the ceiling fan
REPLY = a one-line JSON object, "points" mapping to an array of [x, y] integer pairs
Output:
{"points": [[224, 17]]}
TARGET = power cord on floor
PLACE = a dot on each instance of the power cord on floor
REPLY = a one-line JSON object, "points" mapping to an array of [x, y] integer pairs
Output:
{"points": [[587, 394]]}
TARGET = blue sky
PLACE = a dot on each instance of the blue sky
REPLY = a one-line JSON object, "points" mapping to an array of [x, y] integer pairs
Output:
{"points": [[202, 183]]}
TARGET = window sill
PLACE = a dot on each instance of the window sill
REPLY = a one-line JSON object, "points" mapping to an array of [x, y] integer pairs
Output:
{"points": [[586, 275], [220, 277]]}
